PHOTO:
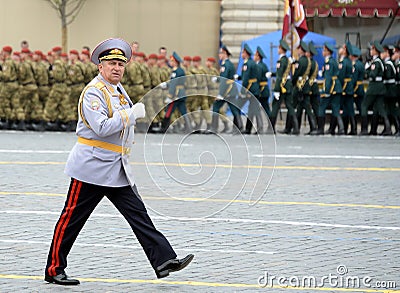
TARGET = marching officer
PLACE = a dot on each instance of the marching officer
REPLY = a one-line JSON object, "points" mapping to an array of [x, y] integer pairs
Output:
{"points": [[332, 92], [283, 86], [376, 92], [176, 94], [99, 166], [347, 100], [301, 88], [357, 81], [227, 92], [263, 97], [250, 88]]}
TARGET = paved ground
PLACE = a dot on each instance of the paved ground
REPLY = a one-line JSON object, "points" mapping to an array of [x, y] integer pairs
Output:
{"points": [[331, 212]]}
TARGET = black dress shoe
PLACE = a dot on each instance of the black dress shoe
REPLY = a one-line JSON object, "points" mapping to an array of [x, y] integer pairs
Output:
{"points": [[61, 279], [173, 265]]}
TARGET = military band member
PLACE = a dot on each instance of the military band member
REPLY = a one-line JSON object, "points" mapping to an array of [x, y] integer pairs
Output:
{"points": [[283, 86], [332, 91], [301, 88], [375, 94], [358, 82], [227, 92], [99, 166]]}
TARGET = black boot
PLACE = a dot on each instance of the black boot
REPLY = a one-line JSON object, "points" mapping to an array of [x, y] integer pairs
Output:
{"points": [[260, 126], [28, 124], [332, 126], [374, 125], [388, 128], [271, 127], [38, 125], [2, 123], [238, 123], [345, 124], [188, 124], [295, 123], [165, 124], [321, 126], [397, 126], [13, 124], [249, 126], [288, 126], [214, 122], [340, 125], [226, 125], [313, 125], [364, 125], [21, 125], [353, 125]]}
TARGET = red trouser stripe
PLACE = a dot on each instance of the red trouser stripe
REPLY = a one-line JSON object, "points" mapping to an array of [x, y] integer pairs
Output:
{"points": [[168, 114], [62, 225]]}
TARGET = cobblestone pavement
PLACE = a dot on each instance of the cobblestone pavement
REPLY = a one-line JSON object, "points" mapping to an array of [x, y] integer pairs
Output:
{"points": [[331, 212]]}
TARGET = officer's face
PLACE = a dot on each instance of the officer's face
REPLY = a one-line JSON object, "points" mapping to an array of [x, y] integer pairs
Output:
{"points": [[112, 70]]}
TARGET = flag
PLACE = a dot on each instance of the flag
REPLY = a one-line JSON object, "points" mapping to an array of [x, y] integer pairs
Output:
{"points": [[297, 24]]}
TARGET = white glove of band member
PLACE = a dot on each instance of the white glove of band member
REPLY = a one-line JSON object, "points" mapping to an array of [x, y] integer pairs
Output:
{"points": [[291, 59], [320, 73], [137, 111], [235, 77], [367, 65], [214, 79], [277, 95], [167, 100], [163, 85], [268, 75], [219, 97]]}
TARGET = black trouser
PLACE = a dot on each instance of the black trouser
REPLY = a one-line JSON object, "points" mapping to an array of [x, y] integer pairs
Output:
{"points": [[81, 200]]}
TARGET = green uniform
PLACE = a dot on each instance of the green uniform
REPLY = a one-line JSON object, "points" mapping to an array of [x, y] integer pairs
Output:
{"points": [[155, 103], [8, 89], [134, 81], [314, 89], [42, 79], [29, 107], [345, 73], [201, 101], [264, 88], [76, 78], [389, 80], [57, 104]]}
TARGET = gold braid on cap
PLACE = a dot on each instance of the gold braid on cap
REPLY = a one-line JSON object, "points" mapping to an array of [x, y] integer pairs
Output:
{"points": [[114, 54]]}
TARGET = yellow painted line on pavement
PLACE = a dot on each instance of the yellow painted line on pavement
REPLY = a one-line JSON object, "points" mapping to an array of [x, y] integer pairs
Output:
{"points": [[227, 166], [306, 203], [200, 284]]}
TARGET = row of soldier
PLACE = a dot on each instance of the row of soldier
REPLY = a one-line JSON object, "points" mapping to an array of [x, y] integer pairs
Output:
{"points": [[41, 92]]}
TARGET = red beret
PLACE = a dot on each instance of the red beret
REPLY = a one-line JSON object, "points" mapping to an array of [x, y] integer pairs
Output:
{"points": [[86, 52], [141, 54], [50, 53], [64, 55], [25, 50], [196, 58], [153, 56], [57, 49], [187, 58], [211, 59], [161, 57], [38, 52], [7, 49], [16, 53], [74, 52]]}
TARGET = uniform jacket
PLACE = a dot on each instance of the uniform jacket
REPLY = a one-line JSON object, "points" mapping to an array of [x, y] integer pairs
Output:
{"points": [[97, 165], [389, 79], [300, 73], [332, 85], [345, 73], [312, 80], [281, 68], [176, 87], [262, 79], [250, 77], [375, 76], [227, 87], [358, 78]]}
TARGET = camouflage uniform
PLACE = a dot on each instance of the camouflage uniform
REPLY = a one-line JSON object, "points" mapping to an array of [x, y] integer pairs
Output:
{"points": [[201, 101], [191, 91], [8, 89], [76, 79], [156, 104], [134, 81], [42, 79]]}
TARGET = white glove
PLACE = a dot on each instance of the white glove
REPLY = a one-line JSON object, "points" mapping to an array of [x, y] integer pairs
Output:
{"points": [[167, 100], [367, 65], [277, 95], [214, 79], [291, 59], [320, 73], [137, 111], [219, 97], [268, 75], [236, 77], [163, 85]]}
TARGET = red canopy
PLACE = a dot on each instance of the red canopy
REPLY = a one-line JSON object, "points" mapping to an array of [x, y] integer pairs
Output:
{"points": [[351, 8]]}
